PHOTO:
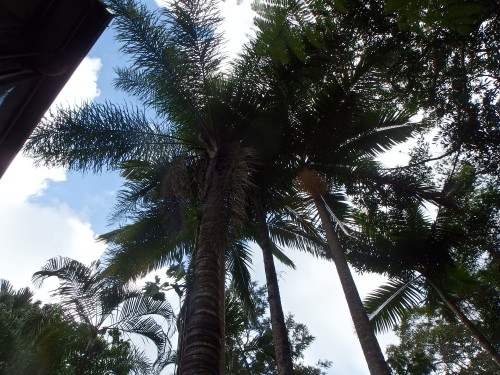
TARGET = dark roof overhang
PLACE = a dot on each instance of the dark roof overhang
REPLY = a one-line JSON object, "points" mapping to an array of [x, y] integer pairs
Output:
{"points": [[42, 42]]}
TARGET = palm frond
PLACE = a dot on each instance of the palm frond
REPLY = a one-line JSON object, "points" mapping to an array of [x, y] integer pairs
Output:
{"points": [[286, 233], [178, 48], [281, 256], [378, 131], [147, 327], [390, 302], [148, 244], [98, 136], [238, 263], [142, 305]]}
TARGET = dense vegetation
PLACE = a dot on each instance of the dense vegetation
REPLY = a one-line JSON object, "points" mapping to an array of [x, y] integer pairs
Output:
{"points": [[280, 148]]}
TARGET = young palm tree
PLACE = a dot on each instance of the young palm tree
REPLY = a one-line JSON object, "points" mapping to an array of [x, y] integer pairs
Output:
{"points": [[45, 340], [106, 304]]}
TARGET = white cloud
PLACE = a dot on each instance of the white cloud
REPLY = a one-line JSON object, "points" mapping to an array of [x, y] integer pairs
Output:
{"points": [[237, 26], [31, 233], [82, 86], [22, 180]]}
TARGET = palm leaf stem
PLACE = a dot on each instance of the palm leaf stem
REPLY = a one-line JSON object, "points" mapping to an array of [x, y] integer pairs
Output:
{"points": [[442, 156], [337, 222]]}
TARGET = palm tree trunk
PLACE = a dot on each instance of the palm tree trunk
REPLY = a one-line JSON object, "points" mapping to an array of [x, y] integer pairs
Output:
{"points": [[203, 346], [369, 344], [280, 334], [481, 339]]}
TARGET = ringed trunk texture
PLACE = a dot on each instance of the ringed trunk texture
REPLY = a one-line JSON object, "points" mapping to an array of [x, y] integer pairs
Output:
{"points": [[481, 339], [280, 334], [369, 344], [203, 346]]}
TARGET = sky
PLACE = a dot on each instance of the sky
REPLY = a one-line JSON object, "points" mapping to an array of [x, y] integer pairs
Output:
{"points": [[47, 212]]}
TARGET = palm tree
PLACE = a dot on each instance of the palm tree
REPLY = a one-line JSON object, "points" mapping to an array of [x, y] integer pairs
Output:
{"points": [[335, 125], [418, 254], [176, 72], [105, 305], [345, 128], [154, 240]]}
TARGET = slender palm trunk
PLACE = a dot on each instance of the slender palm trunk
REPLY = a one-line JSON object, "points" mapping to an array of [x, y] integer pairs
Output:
{"points": [[481, 339], [203, 346], [280, 334], [369, 344]]}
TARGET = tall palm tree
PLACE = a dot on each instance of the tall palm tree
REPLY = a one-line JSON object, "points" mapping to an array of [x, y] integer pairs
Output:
{"points": [[344, 129], [106, 304], [153, 240], [176, 72]]}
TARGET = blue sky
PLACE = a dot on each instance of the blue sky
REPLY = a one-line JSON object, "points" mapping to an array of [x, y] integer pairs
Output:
{"points": [[48, 212]]}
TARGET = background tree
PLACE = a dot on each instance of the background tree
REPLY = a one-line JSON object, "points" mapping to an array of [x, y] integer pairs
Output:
{"points": [[249, 342], [43, 340], [431, 345], [447, 63], [105, 305]]}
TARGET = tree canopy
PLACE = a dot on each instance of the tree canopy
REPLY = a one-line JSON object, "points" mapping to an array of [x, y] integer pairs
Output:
{"points": [[281, 148]]}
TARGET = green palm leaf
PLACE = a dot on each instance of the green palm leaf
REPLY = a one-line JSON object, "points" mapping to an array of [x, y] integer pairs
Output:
{"points": [[101, 137], [95, 300], [238, 261], [390, 302]]}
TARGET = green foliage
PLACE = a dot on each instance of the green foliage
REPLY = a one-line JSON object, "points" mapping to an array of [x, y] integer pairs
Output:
{"points": [[100, 304], [430, 345], [419, 15], [249, 346], [43, 340]]}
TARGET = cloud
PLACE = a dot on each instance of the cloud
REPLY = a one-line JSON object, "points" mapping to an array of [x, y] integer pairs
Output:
{"points": [[82, 86], [237, 26], [31, 233]]}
